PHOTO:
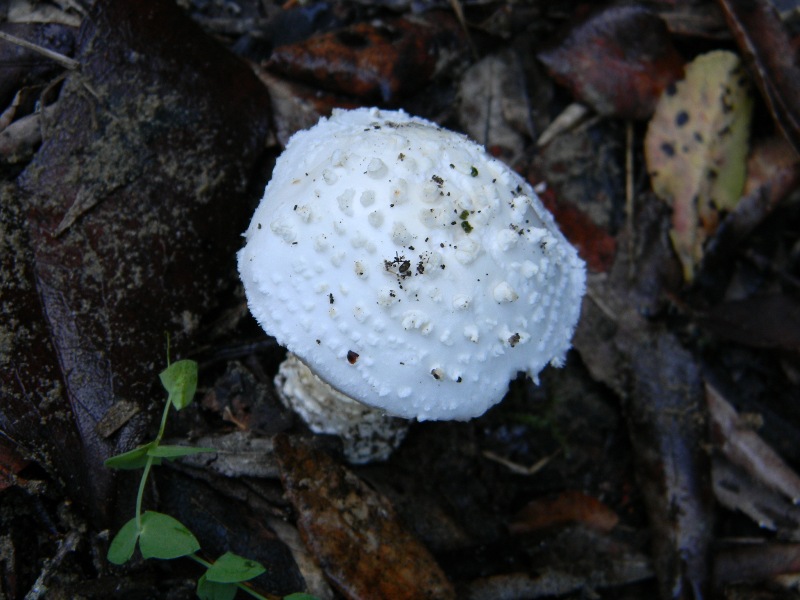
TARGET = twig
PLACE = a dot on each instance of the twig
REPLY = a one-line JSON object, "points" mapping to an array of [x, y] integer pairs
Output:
{"points": [[459, 12], [65, 546], [518, 468], [64, 61], [629, 216]]}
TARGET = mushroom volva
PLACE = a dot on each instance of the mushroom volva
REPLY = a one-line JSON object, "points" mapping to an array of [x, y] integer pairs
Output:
{"points": [[407, 268]]}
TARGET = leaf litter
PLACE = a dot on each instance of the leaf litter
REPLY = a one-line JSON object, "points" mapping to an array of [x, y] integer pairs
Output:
{"points": [[635, 387]]}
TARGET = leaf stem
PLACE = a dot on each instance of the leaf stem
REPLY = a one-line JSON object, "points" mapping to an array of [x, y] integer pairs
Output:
{"points": [[140, 494], [163, 425], [148, 465]]}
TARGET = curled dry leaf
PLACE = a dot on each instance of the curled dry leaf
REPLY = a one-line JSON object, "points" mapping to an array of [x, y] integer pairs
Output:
{"points": [[618, 60], [385, 60], [354, 531], [696, 146]]}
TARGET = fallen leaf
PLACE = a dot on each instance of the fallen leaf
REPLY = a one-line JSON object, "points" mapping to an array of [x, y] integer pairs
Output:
{"points": [[773, 56], [143, 174], [768, 158], [662, 390], [595, 245], [297, 106], [383, 60], [618, 60], [354, 531], [755, 561], [744, 448], [736, 490], [492, 94], [763, 321], [695, 148], [565, 508]]}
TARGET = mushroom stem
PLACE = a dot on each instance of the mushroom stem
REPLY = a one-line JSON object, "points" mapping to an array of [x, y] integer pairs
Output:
{"points": [[368, 434]]}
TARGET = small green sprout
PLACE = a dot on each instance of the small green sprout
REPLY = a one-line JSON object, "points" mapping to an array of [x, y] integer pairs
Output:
{"points": [[163, 537]]}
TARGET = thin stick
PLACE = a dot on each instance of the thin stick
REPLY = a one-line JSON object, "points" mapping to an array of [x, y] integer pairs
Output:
{"points": [[459, 12], [629, 204], [64, 61]]}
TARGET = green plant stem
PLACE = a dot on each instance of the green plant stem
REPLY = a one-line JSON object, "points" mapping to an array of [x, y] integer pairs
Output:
{"points": [[140, 494], [148, 465], [163, 425], [246, 589]]}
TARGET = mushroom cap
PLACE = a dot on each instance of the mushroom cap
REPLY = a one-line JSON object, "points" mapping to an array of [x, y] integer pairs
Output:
{"points": [[408, 268]]}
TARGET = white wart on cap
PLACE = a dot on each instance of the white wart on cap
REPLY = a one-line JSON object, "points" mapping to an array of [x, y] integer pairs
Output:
{"points": [[407, 268]]}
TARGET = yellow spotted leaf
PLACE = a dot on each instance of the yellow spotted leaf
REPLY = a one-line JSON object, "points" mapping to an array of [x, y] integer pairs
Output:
{"points": [[696, 146]]}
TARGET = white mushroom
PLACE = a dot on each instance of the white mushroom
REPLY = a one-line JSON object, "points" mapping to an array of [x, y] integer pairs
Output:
{"points": [[407, 268]]}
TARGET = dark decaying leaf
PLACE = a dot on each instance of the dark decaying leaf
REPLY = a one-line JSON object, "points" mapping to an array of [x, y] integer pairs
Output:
{"points": [[663, 396], [757, 561], [765, 321], [774, 58], [134, 206], [354, 531], [232, 515], [567, 564], [773, 174], [379, 60], [618, 60], [33, 413]]}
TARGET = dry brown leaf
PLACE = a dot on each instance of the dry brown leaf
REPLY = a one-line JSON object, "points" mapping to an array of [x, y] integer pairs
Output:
{"points": [[354, 531], [570, 506]]}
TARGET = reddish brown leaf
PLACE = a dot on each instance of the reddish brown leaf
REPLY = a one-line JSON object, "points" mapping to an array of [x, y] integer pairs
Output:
{"points": [[568, 507], [385, 60], [774, 59], [617, 60], [768, 159], [594, 243], [354, 531]]}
